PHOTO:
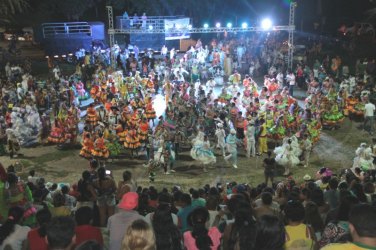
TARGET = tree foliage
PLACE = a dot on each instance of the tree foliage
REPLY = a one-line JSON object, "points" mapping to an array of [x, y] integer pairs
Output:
{"points": [[8, 8]]}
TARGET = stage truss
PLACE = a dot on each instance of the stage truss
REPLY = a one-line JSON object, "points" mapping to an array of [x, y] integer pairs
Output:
{"points": [[289, 28]]}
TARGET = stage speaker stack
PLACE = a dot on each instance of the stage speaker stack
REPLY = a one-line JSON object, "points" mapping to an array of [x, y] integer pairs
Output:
{"points": [[144, 41]]}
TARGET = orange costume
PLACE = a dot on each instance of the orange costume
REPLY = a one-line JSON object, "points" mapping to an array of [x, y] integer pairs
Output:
{"points": [[100, 150], [143, 130], [95, 92], [150, 84], [91, 116], [87, 147], [149, 110], [56, 135], [132, 140]]}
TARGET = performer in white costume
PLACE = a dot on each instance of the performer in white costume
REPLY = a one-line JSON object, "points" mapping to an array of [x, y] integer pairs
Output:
{"points": [[232, 148], [250, 139], [221, 135], [286, 155], [363, 159], [201, 150]]}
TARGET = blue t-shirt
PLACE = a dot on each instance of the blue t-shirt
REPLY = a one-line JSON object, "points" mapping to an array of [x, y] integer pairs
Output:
{"points": [[183, 217]]}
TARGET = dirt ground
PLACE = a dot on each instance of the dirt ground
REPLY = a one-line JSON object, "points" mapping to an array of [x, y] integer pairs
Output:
{"points": [[335, 150]]}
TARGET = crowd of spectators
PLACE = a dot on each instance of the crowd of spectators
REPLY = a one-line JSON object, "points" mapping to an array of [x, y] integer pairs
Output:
{"points": [[96, 213]]}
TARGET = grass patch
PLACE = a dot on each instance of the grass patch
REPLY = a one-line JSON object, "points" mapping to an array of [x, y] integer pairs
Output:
{"points": [[53, 156]]}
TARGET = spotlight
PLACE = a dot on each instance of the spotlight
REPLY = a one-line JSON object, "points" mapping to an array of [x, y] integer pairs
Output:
{"points": [[229, 25], [56, 56], [218, 25], [190, 26], [63, 56], [266, 24], [206, 25], [244, 25], [150, 27]]}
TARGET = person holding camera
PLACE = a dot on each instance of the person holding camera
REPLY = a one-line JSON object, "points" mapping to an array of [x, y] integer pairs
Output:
{"points": [[106, 189]]}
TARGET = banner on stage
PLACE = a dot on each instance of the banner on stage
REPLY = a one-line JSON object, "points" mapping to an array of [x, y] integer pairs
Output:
{"points": [[177, 29]]}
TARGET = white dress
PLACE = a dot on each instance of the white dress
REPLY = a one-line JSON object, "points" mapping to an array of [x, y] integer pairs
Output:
{"points": [[221, 135], [363, 159], [201, 151], [287, 158]]}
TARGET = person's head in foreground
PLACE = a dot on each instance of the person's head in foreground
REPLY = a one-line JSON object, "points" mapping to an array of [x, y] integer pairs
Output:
{"points": [[60, 233], [362, 229], [270, 233], [139, 236]]}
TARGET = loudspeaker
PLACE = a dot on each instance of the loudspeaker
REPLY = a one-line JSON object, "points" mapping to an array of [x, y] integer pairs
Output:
{"points": [[64, 44], [145, 41], [97, 31]]}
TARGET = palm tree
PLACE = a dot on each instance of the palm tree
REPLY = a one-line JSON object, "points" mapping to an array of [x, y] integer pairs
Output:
{"points": [[10, 7]]}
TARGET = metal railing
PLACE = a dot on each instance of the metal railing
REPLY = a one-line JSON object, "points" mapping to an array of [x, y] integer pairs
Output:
{"points": [[200, 30], [71, 28], [156, 22]]}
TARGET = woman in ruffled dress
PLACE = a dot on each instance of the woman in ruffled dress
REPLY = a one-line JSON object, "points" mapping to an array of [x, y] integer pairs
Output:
{"points": [[287, 155], [143, 129], [201, 151], [100, 150], [132, 140], [56, 135], [149, 110], [87, 146], [91, 116]]}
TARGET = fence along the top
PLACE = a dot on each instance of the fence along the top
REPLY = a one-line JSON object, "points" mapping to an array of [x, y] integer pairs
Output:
{"points": [[73, 28], [156, 22]]}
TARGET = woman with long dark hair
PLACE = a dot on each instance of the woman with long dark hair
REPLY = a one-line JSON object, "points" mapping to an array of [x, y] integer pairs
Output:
{"points": [[167, 234], [87, 193], [338, 230], [12, 234], [201, 238], [106, 189], [36, 238], [270, 233], [241, 234], [313, 218]]}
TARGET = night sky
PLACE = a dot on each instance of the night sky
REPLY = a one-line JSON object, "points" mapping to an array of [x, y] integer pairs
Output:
{"points": [[331, 13]]}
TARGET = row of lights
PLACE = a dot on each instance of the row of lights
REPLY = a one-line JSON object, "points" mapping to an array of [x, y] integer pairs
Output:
{"points": [[57, 56], [178, 27], [266, 24]]}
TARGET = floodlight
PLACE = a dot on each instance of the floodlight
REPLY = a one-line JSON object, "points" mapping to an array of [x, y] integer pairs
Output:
{"points": [[244, 25], [150, 27], [206, 25], [218, 25], [266, 24], [229, 25]]}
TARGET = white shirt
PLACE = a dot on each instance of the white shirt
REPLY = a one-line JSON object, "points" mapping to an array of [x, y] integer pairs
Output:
{"points": [[369, 109], [15, 239], [291, 79]]}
